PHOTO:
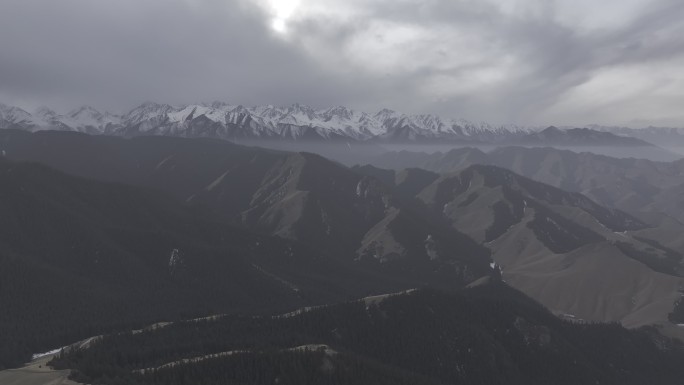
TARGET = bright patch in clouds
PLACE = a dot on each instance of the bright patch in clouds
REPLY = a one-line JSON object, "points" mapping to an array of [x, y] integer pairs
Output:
{"points": [[282, 11]]}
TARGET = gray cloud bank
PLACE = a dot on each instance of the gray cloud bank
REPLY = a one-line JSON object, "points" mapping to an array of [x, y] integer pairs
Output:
{"points": [[504, 61]]}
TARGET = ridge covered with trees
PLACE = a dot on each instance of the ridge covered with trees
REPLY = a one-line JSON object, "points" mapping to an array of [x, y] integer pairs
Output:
{"points": [[485, 335]]}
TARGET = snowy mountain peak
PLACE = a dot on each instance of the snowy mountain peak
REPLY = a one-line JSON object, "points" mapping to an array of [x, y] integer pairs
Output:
{"points": [[15, 112], [85, 111], [302, 111], [11, 116], [269, 112], [339, 111], [386, 113], [223, 120], [45, 112], [147, 111]]}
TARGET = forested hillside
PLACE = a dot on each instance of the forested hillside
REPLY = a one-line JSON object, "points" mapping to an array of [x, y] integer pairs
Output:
{"points": [[486, 335]]}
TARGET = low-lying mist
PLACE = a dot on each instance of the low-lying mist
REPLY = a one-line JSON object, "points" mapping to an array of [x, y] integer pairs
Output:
{"points": [[355, 153]]}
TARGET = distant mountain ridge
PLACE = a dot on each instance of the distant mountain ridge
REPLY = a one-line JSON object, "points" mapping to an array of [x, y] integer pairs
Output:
{"points": [[667, 137], [554, 136], [296, 122], [301, 122], [633, 185]]}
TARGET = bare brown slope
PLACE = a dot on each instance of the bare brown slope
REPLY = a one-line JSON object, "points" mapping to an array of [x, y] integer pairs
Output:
{"points": [[595, 282], [561, 248]]}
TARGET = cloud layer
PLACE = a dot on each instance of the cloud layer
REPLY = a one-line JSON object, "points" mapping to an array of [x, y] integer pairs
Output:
{"points": [[504, 61]]}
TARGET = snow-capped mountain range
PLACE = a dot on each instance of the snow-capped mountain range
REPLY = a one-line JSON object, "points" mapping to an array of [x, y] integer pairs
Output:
{"points": [[296, 122], [222, 120]]}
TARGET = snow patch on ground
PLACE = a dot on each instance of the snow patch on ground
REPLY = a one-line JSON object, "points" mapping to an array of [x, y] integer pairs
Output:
{"points": [[191, 360], [303, 348], [41, 355], [368, 301], [299, 311], [314, 348], [377, 299], [156, 326]]}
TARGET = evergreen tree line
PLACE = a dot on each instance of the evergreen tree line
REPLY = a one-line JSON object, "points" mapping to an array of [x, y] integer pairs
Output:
{"points": [[486, 335]]}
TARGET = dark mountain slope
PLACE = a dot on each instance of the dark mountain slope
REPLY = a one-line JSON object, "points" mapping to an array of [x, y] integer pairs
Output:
{"points": [[410, 182], [80, 257], [317, 201], [302, 196], [179, 167], [489, 335], [346, 233], [312, 199]]}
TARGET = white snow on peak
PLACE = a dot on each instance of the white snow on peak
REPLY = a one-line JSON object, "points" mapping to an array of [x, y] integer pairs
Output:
{"points": [[87, 117], [292, 121], [45, 113], [194, 111], [10, 115]]}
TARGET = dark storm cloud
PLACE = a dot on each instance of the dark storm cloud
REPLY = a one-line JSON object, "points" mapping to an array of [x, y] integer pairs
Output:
{"points": [[131, 50], [551, 57], [519, 61]]}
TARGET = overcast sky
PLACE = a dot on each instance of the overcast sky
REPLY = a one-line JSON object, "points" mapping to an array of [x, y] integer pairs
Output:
{"points": [[536, 62]]}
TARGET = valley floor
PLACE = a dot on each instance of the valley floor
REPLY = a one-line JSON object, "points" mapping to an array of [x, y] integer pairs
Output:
{"points": [[36, 373]]}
